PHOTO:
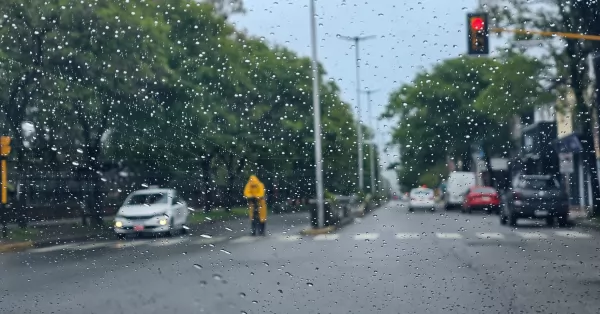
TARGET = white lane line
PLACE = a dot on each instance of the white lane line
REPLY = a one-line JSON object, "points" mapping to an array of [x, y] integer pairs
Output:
{"points": [[205, 241], [490, 235], [366, 236], [167, 242], [244, 239], [289, 237], [449, 235], [572, 234], [326, 237], [407, 236], [531, 235], [89, 246], [52, 248]]}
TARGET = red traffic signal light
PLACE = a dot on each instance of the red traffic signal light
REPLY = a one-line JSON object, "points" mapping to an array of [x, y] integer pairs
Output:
{"points": [[477, 23], [477, 32]]}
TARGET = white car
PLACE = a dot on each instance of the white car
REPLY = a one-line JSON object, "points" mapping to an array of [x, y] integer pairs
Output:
{"points": [[152, 211], [421, 198]]}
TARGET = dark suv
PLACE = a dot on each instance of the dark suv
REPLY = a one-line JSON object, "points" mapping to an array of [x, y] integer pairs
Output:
{"points": [[537, 197]]}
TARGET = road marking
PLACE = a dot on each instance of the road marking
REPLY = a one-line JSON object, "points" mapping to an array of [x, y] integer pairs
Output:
{"points": [[531, 235], [366, 236], [89, 246], [289, 237], [572, 234], [52, 248], [326, 237], [449, 235], [168, 242], [407, 236], [244, 239], [490, 235]]}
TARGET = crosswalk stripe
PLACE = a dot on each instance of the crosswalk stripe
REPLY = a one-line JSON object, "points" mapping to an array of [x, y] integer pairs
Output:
{"points": [[531, 235], [449, 235], [244, 239], [407, 236], [572, 234], [326, 237], [366, 236], [490, 235]]}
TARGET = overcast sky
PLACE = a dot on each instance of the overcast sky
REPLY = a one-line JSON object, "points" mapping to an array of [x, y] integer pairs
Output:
{"points": [[411, 34]]}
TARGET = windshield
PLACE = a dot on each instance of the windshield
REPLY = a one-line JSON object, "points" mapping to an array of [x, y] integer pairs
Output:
{"points": [[317, 155], [148, 199], [539, 184]]}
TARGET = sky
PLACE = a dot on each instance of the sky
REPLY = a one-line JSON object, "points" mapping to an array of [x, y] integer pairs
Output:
{"points": [[410, 35]]}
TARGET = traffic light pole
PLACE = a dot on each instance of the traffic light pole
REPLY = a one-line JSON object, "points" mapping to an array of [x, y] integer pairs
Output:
{"points": [[372, 146]]}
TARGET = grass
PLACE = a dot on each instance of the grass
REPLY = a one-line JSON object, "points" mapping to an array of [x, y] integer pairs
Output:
{"points": [[19, 234], [236, 212]]}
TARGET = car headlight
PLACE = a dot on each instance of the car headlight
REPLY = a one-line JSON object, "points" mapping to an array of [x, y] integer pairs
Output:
{"points": [[162, 222], [118, 224]]}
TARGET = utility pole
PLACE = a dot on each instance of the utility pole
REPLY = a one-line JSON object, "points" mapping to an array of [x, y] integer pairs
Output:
{"points": [[317, 114], [369, 92], [357, 40]]}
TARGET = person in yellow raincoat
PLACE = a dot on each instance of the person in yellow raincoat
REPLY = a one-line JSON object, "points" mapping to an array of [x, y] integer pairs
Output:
{"points": [[254, 191]]}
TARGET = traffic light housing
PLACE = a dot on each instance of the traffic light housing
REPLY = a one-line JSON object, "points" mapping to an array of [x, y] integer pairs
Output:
{"points": [[478, 34]]}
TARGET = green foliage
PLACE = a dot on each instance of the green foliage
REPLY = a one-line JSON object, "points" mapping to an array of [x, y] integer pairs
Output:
{"points": [[461, 102]]}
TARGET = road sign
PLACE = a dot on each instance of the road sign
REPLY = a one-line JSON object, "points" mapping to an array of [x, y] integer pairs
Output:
{"points": [[566, 163], [4, 145], [477, 34]]}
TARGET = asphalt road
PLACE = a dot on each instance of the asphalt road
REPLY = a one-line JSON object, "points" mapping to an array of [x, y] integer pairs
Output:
{"points": [[391, 261]]}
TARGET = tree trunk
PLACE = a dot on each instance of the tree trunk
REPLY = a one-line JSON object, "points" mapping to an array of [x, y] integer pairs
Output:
{"points": [[207, 176], [488, 164]]}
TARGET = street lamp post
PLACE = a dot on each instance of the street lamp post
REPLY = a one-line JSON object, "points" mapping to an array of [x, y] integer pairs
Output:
{"points": [[372, 146], [317, 116], [356, 40]]}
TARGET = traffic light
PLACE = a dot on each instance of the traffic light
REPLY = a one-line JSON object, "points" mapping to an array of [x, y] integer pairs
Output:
{"points": [[477, 31]]}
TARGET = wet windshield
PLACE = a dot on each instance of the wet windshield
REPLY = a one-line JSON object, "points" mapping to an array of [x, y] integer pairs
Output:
{"points": [[289, 136]]}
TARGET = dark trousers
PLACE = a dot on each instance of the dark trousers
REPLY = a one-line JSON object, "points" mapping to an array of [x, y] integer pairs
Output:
{"points": [[256, 224]]}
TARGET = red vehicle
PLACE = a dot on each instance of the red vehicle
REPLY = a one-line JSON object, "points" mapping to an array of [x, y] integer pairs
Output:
{"points": [[481, 197]]}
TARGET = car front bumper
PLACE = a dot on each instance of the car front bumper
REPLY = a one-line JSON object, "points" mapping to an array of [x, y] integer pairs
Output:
{"points": [[152, 225]]}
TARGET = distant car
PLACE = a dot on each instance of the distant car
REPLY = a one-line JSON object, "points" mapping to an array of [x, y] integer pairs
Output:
{"points": [[481, 197], [458, 183], [537, 197], [421, 198], [152, 211]]}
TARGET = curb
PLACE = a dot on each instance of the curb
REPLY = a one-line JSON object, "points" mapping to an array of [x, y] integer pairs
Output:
{"points": [[343, 223], [15, 247]]}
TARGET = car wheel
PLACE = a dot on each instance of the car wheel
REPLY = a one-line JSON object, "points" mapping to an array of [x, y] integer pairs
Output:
{"points": [[410, 209], [550, 221], [121, 236], [172, 231], [512, 220], [432, 209], [503, 219], [562, 221], [469, 210]]}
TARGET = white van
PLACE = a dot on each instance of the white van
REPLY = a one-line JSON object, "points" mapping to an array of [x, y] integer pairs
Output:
{"points": [[458, 184]]}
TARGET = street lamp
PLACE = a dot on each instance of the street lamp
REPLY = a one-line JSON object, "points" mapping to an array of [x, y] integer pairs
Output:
{"points": [[317, 114], [356, 40], [372, 146]]}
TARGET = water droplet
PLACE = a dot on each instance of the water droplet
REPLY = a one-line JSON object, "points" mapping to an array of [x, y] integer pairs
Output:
{"points": [[225, 251], [254, 301], [266, 264], [228, 229], [310, 284], [243, 295], [197, 266], [206, 236], [203, 282], [217, 277]]}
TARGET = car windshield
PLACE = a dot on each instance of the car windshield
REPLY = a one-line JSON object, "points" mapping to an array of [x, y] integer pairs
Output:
{"points": [[148, 199], [539, 184], [484, 190]]}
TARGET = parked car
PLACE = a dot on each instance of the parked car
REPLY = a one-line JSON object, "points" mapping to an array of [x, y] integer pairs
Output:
{"points": [[421, 198], [483, 198], [536, 197], [152, 211], [458, 183]]}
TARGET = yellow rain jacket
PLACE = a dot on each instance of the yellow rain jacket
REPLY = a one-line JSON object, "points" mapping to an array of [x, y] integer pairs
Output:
{"points": [[256, 189]]}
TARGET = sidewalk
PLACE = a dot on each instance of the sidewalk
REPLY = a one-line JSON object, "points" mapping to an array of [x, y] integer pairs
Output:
{"points": [[42, 234]]}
